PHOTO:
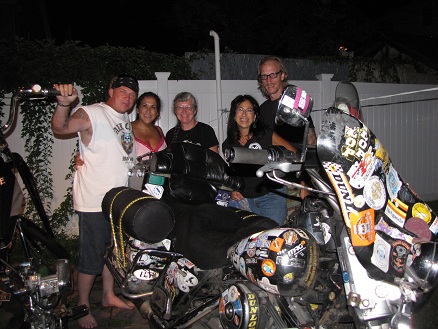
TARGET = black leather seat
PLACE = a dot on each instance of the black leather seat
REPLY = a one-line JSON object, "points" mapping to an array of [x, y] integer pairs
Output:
{"points": [[203, 230]]}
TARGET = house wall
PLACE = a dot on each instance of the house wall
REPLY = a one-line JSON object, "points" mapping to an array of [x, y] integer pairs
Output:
{"points": [[406, 124]]}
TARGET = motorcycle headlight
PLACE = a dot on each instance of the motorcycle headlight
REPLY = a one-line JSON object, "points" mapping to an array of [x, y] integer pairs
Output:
{"points": [[424, 268]]}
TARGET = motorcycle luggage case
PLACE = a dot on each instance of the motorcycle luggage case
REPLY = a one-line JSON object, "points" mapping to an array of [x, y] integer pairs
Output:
{"points": [[142, 216]]}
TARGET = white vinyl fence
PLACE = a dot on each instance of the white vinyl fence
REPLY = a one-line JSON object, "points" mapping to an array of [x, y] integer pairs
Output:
{"points": [[405, 122]]}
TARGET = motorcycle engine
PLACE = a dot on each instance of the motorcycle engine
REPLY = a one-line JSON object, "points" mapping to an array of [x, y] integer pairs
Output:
{"points": [[48, 285]]}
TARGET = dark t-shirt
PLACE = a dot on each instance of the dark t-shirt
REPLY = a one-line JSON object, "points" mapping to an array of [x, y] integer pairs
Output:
{"points": [[254, 186], [201, 134], [268, 111]]}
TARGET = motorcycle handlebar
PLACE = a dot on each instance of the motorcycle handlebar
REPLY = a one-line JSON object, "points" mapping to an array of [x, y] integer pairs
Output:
{"points": [[259, 157], [37, 91], [246, 155]]}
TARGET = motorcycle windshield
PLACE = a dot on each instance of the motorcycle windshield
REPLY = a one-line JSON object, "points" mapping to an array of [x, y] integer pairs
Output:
{"points": [[387, 221], [347, 99]]}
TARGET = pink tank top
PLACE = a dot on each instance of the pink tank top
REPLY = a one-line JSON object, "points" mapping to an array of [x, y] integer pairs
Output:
{"points": [[143, 148]]}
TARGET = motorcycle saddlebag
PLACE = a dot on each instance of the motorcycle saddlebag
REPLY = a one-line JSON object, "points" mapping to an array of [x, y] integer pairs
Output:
{"points": [[142, 216]]}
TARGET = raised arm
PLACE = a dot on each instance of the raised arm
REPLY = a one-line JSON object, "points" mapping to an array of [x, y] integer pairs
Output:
{"points": [[62, 122]]}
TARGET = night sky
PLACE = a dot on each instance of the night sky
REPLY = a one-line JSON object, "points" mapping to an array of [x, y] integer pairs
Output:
{"points": [[179, 26]]}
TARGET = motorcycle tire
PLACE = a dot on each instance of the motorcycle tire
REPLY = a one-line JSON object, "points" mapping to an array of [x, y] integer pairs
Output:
{"points": [[38, 238]]}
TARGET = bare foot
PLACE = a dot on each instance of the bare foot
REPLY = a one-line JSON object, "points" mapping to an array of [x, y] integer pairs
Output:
{"points": [[112, 300], [87, 321]]}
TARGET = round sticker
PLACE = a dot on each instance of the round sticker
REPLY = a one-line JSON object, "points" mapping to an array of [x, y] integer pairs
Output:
{"points": [[359, 201], [374, 193], [268, 267], [420, 210]]}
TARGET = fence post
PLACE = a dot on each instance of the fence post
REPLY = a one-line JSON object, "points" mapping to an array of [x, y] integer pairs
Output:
{"points": [[326, 92], [163, 92]]}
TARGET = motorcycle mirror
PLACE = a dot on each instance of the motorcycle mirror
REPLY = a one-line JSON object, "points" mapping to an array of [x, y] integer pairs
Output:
{"points": [[294, 106]]}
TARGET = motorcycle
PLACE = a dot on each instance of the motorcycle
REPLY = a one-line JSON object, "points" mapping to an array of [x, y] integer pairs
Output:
{"points": [[35, 295], [360, 252]]}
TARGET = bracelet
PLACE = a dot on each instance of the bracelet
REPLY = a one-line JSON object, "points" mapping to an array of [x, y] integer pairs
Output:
{"points": [[63, 105]]}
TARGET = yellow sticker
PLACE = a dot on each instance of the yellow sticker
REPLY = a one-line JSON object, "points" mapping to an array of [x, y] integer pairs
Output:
{"points": [[420, 210]]}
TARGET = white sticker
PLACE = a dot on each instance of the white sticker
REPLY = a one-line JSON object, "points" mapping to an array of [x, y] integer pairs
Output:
{"points": [[374, 193], [146, 275], [155, 190], [380, 256]]}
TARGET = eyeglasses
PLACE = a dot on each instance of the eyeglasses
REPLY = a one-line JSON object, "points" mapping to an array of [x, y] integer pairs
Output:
{"points": [[241, 110], [272, 75], [182, 108]]}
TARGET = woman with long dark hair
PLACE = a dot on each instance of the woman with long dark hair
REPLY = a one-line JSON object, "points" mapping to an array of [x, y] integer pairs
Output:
{"points": [[246, 129]]}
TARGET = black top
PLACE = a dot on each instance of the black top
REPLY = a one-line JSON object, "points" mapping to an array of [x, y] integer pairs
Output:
{"points": [[253, 186], [268, 111], [201, 134]]}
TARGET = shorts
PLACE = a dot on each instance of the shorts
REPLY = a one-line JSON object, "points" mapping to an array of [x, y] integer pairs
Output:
{"points": [[94, 237]]}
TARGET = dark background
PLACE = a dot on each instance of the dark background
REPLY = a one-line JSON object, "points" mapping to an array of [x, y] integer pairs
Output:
{"points": [[287, 28]]}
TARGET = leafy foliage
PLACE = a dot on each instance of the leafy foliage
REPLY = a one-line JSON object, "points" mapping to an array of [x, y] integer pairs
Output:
{"points": [[27, 62]]}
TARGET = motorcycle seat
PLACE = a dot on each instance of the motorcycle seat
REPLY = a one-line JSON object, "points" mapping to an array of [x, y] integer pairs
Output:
{"points": [[204, 233]]}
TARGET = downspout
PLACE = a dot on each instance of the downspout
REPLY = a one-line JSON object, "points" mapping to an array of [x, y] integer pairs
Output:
{"points": [[218, 86]]}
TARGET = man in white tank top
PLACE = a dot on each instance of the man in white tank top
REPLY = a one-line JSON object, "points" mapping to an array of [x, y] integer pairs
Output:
{"points": [[106, 144]]}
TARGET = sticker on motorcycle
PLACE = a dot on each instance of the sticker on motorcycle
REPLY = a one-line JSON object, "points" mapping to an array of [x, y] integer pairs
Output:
{"points": [[4, 296], [393, 183], [276, 244], [265, 284], [326, 232], [342, 187], [374, 193], [268, 267], [186, 280], [361, 170], [396, 211], [359, 201], [399, 254], [392, 231], [421, 210], [380, 257], [362, 228], [356, 143], [420, 228], [145, 274], [290, 237]]}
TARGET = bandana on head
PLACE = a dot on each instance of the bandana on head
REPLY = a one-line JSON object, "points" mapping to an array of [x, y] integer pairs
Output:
{"points": [[126, 81]]}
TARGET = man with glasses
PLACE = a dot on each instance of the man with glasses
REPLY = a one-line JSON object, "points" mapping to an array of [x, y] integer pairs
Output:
{"points": [[272, 80]]}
